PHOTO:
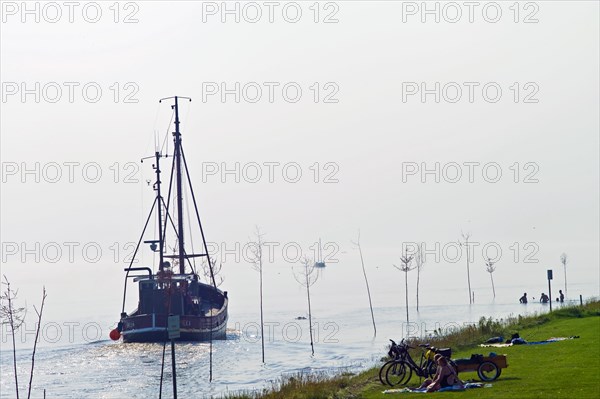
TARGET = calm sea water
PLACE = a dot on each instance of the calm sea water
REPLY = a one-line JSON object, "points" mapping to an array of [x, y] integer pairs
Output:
{"points": [[343, 341]]}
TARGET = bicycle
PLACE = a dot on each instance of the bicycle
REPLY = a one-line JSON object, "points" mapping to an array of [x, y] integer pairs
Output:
{"points": [[400, 371], [397, 352]]}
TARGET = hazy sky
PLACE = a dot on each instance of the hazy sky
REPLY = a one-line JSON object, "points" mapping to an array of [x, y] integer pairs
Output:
{"points": [[338, 116]]}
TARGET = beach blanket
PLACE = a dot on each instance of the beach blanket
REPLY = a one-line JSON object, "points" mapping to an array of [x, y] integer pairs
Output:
{"points": [[468, 385], [549, 340], [553, 339]]}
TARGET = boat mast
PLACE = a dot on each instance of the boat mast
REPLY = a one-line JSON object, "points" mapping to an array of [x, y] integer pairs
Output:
{"points": [[159, 200], [177, 141]]}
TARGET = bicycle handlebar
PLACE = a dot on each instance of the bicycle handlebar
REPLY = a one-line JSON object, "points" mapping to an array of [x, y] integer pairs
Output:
{"points": [[402, 343]]}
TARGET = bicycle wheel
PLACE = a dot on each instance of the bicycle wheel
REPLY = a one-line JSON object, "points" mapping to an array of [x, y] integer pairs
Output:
{"points": [[383, 370], [397, 373], [408, 374], [431, 369], [488, 371]]}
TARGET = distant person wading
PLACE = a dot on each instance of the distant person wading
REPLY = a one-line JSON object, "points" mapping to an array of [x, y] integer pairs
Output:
{"points": [[523, 299]]}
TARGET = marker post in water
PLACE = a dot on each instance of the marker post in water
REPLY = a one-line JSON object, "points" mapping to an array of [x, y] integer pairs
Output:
{"points": [[173, 325], [549, 289]]}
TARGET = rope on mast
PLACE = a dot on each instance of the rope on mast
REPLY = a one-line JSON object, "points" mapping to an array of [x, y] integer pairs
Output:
{"points": [[137, 247], [176, 236], [191, 240], [187, 173]]}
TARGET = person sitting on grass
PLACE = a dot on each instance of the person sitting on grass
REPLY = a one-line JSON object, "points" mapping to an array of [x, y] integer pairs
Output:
{"points": [[445, 376]]}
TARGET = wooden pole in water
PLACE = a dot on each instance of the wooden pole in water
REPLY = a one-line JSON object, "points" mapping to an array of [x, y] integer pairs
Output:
{"points": [[173, 368]]}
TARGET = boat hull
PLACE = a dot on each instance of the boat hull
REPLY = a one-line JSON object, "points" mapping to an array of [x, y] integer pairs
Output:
{"points": [[152, 328]]}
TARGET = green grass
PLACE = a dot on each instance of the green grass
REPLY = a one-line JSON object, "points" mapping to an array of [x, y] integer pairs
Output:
{"points": [[565, 369]]}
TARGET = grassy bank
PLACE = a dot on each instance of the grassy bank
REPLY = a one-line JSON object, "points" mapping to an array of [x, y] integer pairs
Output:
{"points": [[562, 369]]}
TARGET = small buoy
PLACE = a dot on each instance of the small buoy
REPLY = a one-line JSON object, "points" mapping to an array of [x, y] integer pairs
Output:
{"points": [[115, 335]]}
